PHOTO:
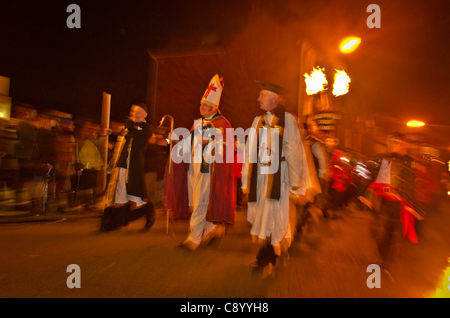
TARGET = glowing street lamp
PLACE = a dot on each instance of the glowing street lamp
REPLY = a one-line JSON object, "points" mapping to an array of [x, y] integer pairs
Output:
{"points": [[415, 123], [350, 44]]}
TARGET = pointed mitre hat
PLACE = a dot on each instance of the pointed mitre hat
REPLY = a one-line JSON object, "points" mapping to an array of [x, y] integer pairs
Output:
{"points": [[213, 92]]}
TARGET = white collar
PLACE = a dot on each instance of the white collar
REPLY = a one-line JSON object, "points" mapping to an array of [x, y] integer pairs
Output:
{"points": [[268, 117], [210, 117]]}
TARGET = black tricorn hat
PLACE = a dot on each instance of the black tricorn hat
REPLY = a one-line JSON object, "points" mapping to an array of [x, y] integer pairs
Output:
{"points": [[273, 88], [141, 105]]}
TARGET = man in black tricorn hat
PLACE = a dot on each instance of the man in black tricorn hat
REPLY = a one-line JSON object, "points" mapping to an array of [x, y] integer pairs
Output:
{"points": [[280, 172], [130, 196]]}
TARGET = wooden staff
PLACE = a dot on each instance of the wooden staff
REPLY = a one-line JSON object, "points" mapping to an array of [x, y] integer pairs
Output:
{"points": [[170, 157]]}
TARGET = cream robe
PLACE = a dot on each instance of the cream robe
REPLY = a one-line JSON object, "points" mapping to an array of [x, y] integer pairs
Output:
{"points": [[269, 217], [199, 189]]}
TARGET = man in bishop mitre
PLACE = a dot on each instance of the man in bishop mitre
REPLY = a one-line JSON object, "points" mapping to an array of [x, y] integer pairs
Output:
{"points": [[275, 171], [202, 185]]}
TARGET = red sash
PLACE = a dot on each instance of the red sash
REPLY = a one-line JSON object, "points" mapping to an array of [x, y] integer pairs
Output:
{"points": [[407, 218]]}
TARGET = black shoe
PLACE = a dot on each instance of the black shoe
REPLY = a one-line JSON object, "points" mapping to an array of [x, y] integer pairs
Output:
{"points": [[149, 223], [148, 211], [256, 266], [266, 255], [264, 259], [214, 241], [188, 245]]}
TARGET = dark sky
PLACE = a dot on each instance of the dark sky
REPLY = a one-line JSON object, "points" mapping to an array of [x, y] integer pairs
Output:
{"points": [[52, 66], [400, 69]]}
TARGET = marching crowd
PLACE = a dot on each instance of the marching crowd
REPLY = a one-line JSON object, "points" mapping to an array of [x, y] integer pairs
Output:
{"points": [[311, 169], [56, 155], [49, 159]]}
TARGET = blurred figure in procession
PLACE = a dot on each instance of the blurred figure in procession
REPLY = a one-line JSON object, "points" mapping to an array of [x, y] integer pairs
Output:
{"points": [[340, 174], [89, 162], [34, 174], [315, 141], [430, 168], [394, 199], [66, 156], [46, 148]]}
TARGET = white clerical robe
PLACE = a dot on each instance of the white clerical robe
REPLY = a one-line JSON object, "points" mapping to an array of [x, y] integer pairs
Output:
{"points": [[270, 217], [199, 188]]}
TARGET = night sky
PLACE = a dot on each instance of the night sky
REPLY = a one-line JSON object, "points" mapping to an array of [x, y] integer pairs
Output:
{"points": [[54, 67], [400, 69]]}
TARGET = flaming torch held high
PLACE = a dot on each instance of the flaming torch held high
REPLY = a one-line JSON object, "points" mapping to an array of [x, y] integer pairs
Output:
{"points": [[341, 82], [315, 82]]}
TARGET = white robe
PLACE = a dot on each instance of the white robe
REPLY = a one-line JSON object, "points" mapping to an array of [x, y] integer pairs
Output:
{"points": [[199, 191], [269, 217]]}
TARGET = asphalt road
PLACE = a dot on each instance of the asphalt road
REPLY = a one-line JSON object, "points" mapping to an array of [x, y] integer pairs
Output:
{"points": [[329, 260]]}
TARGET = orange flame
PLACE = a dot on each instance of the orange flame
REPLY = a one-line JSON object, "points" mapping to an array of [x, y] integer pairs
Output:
{"points": [[315, 82], [341, 81]]}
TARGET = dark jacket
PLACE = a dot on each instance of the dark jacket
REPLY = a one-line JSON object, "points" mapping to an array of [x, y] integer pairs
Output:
{"points": [[134, 149]]}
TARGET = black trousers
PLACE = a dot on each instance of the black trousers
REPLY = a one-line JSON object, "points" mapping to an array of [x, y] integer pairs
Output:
{"points": [[114, 218], [389, 231], [238, 191], [266, 255]]}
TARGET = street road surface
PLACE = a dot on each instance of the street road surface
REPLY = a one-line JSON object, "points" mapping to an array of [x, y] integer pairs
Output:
{"points": [[329, 260]]}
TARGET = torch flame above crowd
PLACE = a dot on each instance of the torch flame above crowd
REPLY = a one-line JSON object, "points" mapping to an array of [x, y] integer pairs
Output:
{"points": [[315, 82], [341, 81]]}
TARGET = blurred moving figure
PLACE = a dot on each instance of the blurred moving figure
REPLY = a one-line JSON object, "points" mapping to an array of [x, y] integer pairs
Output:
{"points": [[315, 141], [89, 162], [33, 175], [430, 169], [340, 174], [48, 131], [66, 156], [394, 198]]}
